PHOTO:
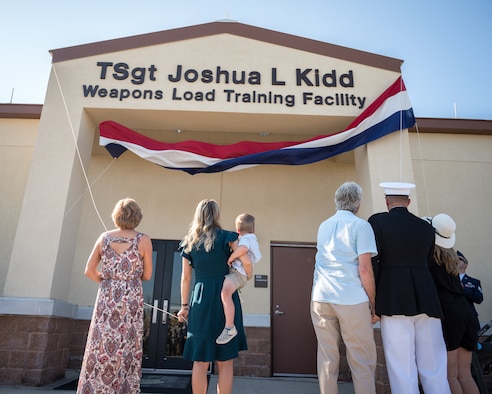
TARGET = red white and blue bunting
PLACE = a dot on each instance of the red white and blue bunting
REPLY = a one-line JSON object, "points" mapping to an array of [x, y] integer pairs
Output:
{"points": [[390, 112]]}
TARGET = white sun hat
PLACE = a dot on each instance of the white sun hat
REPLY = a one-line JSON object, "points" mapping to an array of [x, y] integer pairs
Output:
{"points": [[444, 227]]}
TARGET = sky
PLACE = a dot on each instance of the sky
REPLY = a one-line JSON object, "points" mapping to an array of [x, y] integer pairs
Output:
{"points": [[446, 45]]}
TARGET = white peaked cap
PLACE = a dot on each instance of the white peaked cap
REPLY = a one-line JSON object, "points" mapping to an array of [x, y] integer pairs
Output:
{"points": [[397, 188]]}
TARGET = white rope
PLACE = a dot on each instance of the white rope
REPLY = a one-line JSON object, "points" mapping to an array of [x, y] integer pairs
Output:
{"points": [[77, 148], [401, 136], [91, 184], [163, 311], [423, 169], [421, 155]]}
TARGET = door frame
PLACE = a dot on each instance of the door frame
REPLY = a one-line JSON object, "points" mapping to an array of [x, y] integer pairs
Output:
{"points": [[164, 264], [292, 269]]}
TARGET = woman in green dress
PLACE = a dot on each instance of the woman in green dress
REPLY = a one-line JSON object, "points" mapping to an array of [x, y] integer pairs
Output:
{"points": [[205, 249]]}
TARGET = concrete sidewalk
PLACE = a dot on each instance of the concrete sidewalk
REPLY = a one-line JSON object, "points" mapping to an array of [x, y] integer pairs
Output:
{"points": [[242, 385], [247, 385]]}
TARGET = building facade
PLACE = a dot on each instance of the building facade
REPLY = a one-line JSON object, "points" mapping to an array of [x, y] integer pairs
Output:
{"points": [[219, 83]]}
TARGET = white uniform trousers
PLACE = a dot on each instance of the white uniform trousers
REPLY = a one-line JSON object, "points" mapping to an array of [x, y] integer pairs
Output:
{"points": [[414, 347]]}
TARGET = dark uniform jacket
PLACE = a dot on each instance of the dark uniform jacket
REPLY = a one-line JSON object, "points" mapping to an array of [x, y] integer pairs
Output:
{"points": [[473, 293], [404, 284]]}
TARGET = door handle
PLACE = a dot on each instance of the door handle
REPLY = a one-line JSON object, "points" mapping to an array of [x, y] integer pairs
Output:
{"points": [[277, 311], [165, 306], [154, 311]]}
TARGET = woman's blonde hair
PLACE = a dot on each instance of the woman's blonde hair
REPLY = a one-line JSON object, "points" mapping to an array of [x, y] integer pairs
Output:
{"points": [[448, 258], [127, 214], [204, 226]]}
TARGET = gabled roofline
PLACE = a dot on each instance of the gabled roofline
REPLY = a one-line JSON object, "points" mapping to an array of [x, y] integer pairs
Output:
{"points": [[227, 27]]}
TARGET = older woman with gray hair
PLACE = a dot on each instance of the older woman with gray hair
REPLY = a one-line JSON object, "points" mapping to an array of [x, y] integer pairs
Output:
{"points": [[343, 294]]}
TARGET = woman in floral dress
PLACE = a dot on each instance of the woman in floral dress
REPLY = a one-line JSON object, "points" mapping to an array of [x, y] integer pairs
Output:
{"points": [[113, 354]]}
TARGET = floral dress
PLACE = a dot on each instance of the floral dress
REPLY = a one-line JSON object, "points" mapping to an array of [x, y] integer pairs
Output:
{"points": [[113, 355]]}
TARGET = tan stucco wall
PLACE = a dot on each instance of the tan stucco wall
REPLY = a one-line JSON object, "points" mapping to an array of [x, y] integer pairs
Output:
{"points": [[452, 173], [49, 216], [288, 202], [384, 160], [17, 140], [69, 122], [454, 176], [208, 53]]}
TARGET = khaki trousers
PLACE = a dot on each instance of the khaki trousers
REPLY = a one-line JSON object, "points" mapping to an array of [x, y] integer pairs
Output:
{"points": [[352, 323]]}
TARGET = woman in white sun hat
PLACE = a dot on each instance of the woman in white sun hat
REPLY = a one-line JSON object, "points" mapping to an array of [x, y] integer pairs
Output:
{"points": [[458, 324]]}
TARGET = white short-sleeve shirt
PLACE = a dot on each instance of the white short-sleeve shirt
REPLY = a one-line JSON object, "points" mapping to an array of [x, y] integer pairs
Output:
{"points": [[341, 239], [251, 242]]}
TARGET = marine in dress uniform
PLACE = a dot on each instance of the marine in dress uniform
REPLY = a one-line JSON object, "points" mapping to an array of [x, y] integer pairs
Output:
{"points": [[406, 296]]}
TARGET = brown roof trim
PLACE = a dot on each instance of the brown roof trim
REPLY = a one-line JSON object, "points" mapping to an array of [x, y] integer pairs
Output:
{"points": [[21, 111], [425, 125], [227, 27], [453, 126]]}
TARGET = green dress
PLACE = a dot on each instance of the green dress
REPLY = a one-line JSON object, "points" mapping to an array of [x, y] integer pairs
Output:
{"points": [[206, 318]]}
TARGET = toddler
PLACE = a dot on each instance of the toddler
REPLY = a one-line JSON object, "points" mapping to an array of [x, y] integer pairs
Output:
{"points": [[241, 263]]}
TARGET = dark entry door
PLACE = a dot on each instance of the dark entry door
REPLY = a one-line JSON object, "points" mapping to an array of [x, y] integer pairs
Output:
{"points": [[294, 342], [164, 336]]}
